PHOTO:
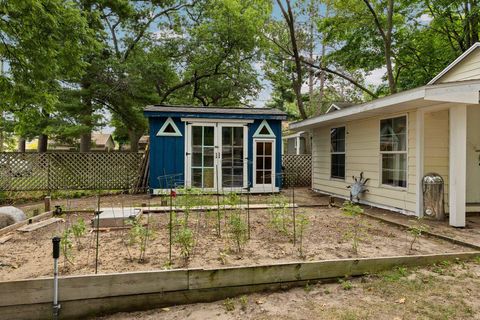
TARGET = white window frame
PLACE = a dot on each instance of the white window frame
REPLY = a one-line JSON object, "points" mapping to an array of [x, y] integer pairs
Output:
{"points": [[381, 153], [264, 124], [170, 121], [332, 153], [188, 153], [217, 124], [264, 187], [245, 155]]}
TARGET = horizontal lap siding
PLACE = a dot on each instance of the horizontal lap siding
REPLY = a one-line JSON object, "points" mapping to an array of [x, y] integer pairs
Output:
{"points": [[362, 154], [436, 152], [468, 69]]}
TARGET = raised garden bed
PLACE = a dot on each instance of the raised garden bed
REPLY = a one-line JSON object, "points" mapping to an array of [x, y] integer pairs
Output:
{"points": [[326, 236]]}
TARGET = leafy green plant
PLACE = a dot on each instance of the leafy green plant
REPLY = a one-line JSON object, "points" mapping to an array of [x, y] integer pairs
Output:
{"points": [[416, 229], [66, 245], [243, 302], [301, 224], [229, 304], [138, 234], [238, 230], [346, 284], [280, 218], [357, 230], [185, 240], [188, 199], [79, 229]]}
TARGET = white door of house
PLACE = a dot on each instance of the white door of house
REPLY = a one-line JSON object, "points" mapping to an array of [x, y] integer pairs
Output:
{"points": [[264, 164], [216, 156]]}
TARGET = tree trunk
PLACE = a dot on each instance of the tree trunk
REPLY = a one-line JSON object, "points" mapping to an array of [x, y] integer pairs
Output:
{"points": [[42, 143], [85, 142], [21, 144], [388, 49], [297, 86], [86, 138], [133, 137]]}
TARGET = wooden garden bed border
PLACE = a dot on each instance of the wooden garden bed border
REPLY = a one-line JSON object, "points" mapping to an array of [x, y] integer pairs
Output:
{"points": [[94, 295]]}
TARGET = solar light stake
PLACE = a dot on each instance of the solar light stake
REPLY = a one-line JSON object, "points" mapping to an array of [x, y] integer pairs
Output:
{"points": [[56, 255]]}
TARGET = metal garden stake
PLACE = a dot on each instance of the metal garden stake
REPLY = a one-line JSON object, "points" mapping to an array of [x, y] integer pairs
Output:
{"points": [[56, 255], [97, 214]]}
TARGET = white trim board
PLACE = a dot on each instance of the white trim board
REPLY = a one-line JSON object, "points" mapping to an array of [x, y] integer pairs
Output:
{"points": [[216, 120], [263, 125], [168, 122]]}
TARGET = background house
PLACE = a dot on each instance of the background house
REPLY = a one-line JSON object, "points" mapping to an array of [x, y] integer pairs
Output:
{"points": [[396, 140], [215, 148]]}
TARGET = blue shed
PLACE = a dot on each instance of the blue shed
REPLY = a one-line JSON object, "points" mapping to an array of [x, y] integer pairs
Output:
{"points": [[225, 149]]}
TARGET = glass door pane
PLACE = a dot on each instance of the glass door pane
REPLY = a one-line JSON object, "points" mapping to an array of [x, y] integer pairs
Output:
{"points": [[232, 157], [264, 162], [203, 154]]}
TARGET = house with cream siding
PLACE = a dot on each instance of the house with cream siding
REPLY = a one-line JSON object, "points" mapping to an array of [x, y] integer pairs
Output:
{"points": [[396, 140]]}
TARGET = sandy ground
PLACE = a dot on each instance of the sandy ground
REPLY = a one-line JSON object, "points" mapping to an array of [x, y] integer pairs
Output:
{"points": [[471, 233], [445, 291], [28, 255], [301, 196]]}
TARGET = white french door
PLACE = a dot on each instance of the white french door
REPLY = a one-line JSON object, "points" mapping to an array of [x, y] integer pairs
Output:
{"points": [[216, 156], [264, 164]]}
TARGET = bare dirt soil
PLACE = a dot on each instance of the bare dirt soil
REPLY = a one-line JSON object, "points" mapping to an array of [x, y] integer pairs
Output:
{"points": [[28, 255], [444, 291]]}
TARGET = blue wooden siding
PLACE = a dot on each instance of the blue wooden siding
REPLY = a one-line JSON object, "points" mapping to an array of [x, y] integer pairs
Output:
{"points": [[167, 154]]}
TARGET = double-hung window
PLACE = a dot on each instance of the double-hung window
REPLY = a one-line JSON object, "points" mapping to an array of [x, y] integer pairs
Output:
{"points": [[393, 150], [337, 153]]}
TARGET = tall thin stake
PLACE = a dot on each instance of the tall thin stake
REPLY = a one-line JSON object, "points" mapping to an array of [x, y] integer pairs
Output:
{"points": [[170, 228], [294, 216], [96, 249], [218, 205], [248, 211]]}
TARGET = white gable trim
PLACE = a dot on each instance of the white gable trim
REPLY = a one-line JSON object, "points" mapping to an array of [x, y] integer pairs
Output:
{"points": [[162, 133], [331, 107], [454, 63], [262, 125]]}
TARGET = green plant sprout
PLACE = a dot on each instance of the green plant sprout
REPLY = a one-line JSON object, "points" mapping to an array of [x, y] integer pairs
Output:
{"points": [[79, 229], [185, 240], [416, 229], [357, 231], [138, 235], [301, 225], [66, 245], [238, 230], [280, 217]]}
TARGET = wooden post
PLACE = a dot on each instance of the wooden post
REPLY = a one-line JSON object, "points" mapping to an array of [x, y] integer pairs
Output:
{"points": [[458, 163], [48, 203]]}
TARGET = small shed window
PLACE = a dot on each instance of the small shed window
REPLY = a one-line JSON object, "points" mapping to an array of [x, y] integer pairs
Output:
{"points": [[264, 131], [337, 151], [169, 129], [393, 149]]}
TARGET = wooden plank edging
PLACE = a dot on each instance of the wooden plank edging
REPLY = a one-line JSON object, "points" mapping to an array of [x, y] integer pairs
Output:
{"points": [[74, 288], [17, 225]]}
